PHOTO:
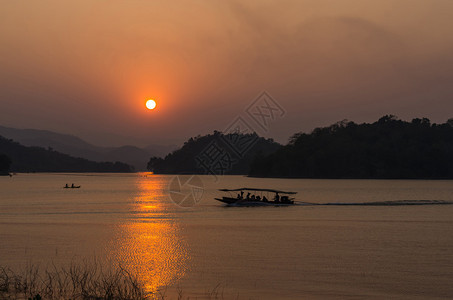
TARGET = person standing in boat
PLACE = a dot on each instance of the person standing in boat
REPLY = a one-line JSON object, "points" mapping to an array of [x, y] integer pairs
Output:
{"points": [[277, 198]]}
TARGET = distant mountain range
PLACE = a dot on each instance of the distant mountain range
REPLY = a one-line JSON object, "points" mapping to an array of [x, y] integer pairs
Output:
{"points": [[74, 146], [15, 157]]}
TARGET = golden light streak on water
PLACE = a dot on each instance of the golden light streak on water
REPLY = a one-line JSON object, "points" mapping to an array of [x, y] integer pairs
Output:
{"points": [[150, 245]]}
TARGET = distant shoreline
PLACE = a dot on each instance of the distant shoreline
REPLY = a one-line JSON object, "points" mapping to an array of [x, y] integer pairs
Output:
{"points": [[311, 178]]}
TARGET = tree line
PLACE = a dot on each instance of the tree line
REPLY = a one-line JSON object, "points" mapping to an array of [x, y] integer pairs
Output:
{"points": [[388, 148], [214, 154]]}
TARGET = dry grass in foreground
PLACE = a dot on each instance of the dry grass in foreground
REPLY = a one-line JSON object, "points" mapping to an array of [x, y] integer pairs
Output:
{"points": [[86, 281]]}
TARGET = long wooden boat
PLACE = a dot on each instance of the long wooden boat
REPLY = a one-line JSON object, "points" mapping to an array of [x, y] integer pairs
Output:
{"points": [[256, 197]]}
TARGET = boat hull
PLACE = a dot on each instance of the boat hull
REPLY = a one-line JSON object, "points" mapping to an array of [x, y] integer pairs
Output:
{"points": [[242, 202]]}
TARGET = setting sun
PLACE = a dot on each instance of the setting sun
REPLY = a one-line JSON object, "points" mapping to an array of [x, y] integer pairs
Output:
{"points": [[150, 104]]}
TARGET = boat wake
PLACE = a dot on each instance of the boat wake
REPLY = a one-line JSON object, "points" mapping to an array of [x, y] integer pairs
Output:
{"points": [[383, 203]]}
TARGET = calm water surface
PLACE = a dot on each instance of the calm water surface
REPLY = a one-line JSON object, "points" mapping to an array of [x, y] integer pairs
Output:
{"points": [[303, 251]]}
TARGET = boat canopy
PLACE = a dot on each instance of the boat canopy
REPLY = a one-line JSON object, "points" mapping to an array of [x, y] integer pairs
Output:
{"points": [[261, 190]]}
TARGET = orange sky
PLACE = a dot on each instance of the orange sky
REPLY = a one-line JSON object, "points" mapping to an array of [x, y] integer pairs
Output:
{"points": [[86, 67]]}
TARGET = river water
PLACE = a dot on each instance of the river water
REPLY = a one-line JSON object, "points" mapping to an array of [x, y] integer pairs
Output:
{"points": [[175, 237]]}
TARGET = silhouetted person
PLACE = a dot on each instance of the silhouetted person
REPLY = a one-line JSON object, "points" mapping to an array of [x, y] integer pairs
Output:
{"points": [[239, 196], [258, 198], [242, 194], [264, 199], [66, 186], [72, 185], [253, 198], [277, 198], [248, 196]]}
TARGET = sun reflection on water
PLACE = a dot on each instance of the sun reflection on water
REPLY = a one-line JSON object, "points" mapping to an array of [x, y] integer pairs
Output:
{"points": [[150, 244]]}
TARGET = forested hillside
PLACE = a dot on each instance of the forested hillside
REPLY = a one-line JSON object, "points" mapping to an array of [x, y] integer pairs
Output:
{"points": [[215, 153], [387, 148]]}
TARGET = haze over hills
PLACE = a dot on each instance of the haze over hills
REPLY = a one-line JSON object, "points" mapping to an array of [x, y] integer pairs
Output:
{"points": [[15, 157], [75, 146]]}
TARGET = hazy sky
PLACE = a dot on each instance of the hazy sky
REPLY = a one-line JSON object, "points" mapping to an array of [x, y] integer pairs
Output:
{"points": [[86, 67]]}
